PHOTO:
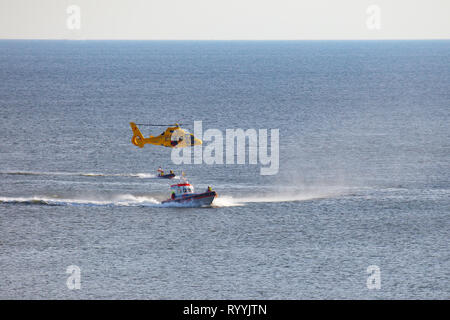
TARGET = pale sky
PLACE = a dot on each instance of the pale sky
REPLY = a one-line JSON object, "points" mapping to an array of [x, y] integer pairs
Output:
{"points": [[225, 19]]}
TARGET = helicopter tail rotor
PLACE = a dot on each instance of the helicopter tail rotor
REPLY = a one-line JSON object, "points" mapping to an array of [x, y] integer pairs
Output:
{"points": [[138, 138]]}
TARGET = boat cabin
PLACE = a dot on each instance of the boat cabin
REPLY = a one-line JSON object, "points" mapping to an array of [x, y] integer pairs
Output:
{"points": [[182, 188]]}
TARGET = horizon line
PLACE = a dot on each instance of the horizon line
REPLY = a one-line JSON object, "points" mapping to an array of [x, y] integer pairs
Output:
{"points": [[193, 39]]}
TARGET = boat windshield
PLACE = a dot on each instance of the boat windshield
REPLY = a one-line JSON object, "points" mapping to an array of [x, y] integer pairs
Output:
{"points": [[183, 189], [187, 190]]}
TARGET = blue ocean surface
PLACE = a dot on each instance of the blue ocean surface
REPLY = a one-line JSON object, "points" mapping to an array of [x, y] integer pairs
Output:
{"points": [[364, 176]]}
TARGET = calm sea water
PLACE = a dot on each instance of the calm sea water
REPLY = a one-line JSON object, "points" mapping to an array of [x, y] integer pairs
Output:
{"points": [[364, 173]]}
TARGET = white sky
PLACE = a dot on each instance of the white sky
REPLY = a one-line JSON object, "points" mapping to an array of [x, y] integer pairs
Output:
{"points": [[225, 19]]}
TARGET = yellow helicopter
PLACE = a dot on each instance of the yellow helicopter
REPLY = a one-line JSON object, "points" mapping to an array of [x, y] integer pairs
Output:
{"points": [[172, 137]]}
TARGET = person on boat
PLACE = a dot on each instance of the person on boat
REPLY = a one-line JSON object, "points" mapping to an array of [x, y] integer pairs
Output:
{"points": [[172, 196], [171, 171], [209, 189]]}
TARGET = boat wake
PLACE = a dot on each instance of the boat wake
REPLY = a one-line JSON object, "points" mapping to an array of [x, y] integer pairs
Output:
{"points": [[122, 200], [82, 174], [230, 201], [126, 200], [129, 200]]}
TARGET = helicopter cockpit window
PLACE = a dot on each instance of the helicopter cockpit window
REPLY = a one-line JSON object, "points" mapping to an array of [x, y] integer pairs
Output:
{"points": [[177, 135]]}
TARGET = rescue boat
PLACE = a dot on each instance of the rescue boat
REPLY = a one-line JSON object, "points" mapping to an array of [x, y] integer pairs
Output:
{"points": [[183, 193], [163, 175], [166, 176]]}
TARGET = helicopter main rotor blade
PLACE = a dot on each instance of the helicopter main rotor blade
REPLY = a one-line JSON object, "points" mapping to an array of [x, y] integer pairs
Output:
{"points": [[157, 125]]}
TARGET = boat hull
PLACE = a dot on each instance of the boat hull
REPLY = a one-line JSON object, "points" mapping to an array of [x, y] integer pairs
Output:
{"points": [[194, 200], [167, 176]]}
